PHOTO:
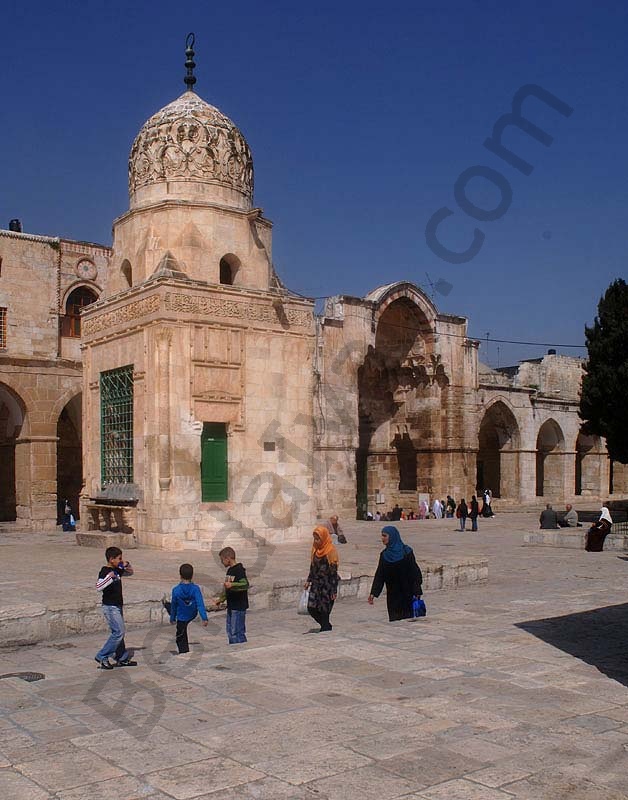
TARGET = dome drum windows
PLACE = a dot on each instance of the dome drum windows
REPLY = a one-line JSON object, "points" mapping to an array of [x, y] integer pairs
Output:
{"points": [[229, 267]]}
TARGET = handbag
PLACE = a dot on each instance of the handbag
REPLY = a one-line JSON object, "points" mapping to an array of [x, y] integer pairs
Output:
{"points": [[418, 607], [304, 598]]}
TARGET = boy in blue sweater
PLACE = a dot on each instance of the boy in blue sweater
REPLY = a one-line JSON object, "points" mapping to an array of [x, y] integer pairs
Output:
{"points": [[187, 601]]}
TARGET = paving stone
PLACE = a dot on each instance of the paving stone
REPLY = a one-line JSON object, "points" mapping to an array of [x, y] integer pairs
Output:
{"points": [[265, 789], [497, 776], [138, 756], [555, 784], [14, 786], [430, 765], [67, 770], [463, 790], [367, 783], [127, 788], [313, 763], [193, 780]]}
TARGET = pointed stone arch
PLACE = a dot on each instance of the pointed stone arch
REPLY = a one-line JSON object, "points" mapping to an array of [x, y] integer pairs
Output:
{"points": [[550, 448], [12, 419], [498, 451], [400, 388]]}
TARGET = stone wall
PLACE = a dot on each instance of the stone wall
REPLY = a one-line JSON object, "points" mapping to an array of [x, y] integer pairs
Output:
{"points": [[40, 372], [204, 354]]}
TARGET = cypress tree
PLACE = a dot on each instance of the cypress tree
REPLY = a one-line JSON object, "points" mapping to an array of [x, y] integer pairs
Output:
{"points": [[604, 398]]}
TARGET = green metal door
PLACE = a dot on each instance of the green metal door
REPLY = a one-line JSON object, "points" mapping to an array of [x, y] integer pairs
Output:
{"points": [[214, 486]]}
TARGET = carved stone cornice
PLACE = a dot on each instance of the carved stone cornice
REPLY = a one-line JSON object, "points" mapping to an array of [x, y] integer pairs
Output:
{"points": [[234, 309]]}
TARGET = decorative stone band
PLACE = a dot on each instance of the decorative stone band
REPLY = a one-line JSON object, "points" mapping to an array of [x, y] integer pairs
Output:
{"points": [[140, 308], [190, 304], [215, 307]]}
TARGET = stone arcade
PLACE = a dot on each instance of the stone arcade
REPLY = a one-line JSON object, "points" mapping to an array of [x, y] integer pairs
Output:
{"points": [[206, 397]]}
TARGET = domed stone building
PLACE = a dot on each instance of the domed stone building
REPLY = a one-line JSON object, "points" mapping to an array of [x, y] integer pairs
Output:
{"points": [[195, 355]]}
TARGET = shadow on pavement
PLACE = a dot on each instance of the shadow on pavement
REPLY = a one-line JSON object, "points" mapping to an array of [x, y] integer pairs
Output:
{"points": [[597, 637]]}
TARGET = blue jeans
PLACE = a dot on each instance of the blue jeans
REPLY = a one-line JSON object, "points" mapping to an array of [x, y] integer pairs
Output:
{"points": [[114, 646], [474, 523], [463, 522], [236, 626]]}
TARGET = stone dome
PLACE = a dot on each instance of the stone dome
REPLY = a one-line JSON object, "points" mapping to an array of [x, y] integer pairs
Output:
{"points": [[190, 151]]}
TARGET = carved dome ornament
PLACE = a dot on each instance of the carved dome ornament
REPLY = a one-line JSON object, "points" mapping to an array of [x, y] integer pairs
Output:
{"points": [[190, 140]]}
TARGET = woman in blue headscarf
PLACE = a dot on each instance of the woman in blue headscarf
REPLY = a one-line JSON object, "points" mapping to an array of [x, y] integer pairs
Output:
{"points": [[399, 573]]}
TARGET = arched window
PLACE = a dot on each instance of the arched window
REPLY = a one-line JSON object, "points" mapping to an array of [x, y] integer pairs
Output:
{"points": [[127, 272], [229, 266], [78, 299], [225, 273]]}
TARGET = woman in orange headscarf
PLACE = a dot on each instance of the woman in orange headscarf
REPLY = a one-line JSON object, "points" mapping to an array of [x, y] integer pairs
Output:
{"points": [[323, 578]]}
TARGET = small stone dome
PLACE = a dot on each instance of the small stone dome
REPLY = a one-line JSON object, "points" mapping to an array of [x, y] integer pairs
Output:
{"points": [[190, 151]]}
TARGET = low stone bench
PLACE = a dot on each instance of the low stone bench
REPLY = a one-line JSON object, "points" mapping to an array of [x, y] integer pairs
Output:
{"points": [[31, 623], [566, 537]]}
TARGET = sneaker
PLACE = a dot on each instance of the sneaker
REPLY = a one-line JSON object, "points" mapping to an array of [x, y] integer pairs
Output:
{"points": [[126, 663], [104, 664]]}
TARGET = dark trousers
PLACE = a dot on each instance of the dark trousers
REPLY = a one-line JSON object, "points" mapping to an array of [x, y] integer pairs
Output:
{"points": [[183, 645], [322, 617]]}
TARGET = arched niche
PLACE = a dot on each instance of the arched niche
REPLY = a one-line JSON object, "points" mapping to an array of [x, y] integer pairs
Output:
{"points": [[12, 417], [550, 445], [498, 457]]}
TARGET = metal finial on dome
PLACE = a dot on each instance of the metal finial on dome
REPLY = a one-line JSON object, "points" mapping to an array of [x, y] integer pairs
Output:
{"points": [[190, 78]]}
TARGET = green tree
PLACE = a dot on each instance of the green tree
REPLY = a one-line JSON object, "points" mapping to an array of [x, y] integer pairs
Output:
{"points": [[604, 398]]}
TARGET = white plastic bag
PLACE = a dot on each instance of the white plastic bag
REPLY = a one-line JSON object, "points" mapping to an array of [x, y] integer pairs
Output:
{"points": [[303, 601]]}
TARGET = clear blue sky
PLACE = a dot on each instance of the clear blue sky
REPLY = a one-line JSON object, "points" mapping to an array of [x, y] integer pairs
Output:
{"points": [[360, 116]]}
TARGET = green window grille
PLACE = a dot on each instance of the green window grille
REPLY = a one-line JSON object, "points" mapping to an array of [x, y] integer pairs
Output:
{"points": [[116, 426]]}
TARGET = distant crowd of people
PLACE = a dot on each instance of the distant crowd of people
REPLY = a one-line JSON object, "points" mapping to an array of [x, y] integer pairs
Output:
{"points": [[440, 509]]}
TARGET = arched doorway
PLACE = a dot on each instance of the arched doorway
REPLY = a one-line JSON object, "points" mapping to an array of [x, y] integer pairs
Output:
{"points": [[497, 460], [12, 413], [588, 464], [69, 456], [398, 386], [550, 445]]}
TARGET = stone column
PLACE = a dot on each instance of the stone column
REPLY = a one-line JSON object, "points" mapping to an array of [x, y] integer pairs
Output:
{"points": [[527, 476], [510, 487], [36, 481], [619, 486], [569, 475], [164, 340], [557, 465]]}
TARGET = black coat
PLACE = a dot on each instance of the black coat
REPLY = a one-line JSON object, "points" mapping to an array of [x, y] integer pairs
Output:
{"points": [[403, 581]]}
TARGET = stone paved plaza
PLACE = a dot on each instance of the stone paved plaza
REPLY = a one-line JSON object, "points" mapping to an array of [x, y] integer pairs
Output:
{"points": [[512, 689]]}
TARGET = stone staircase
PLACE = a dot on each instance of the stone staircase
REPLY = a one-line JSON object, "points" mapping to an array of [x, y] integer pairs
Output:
{"points": [[215, 528]]}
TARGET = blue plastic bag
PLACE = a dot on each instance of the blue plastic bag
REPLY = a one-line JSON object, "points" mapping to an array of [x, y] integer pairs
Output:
{"points": [[418, 607]]}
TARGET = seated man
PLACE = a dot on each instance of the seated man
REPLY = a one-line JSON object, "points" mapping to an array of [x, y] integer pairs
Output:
{"points": [[337, 536], [570, 519], [548, 519]]}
